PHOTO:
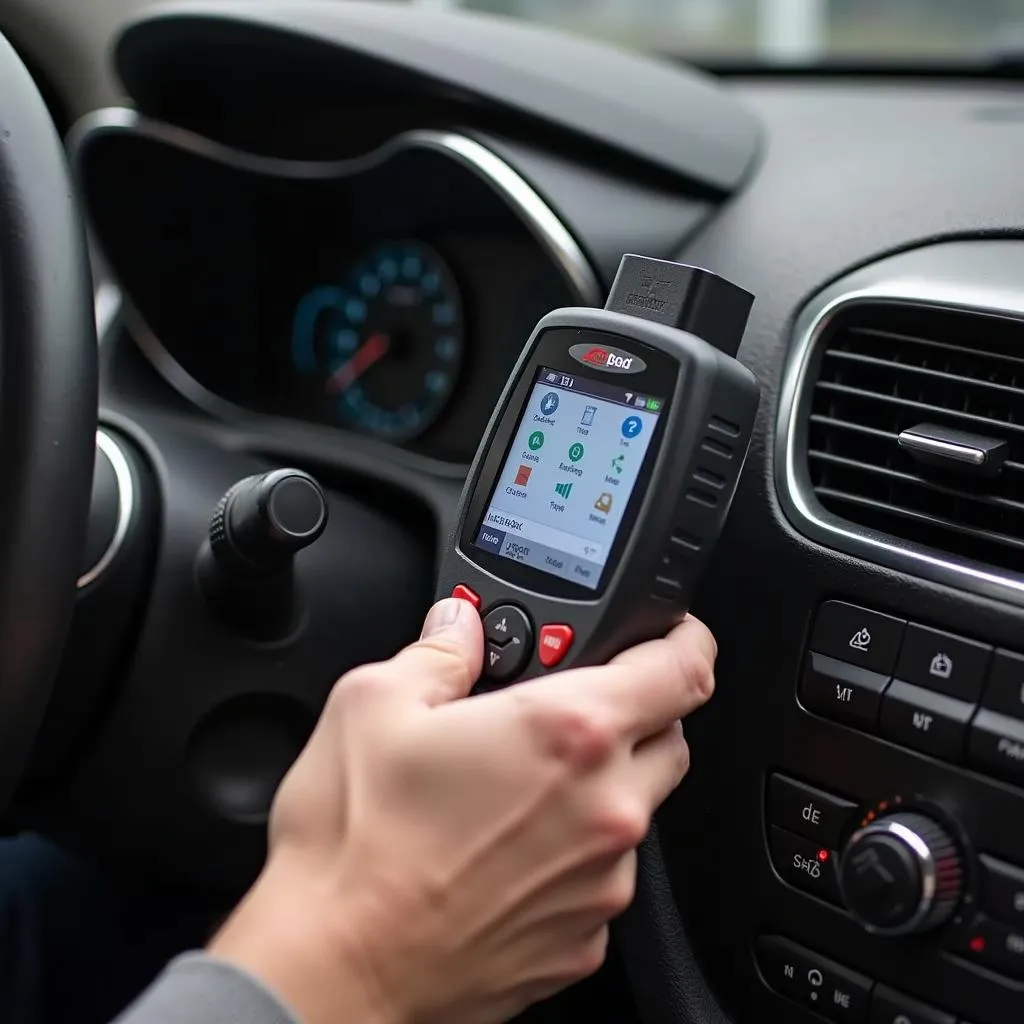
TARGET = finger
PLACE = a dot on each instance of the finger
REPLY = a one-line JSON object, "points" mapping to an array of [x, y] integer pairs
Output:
{"points": [[646, 688], [659, 764], [446, 661]]}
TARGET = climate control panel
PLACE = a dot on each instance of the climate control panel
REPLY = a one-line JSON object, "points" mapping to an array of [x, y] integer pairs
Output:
{"points": [[911, 894]]}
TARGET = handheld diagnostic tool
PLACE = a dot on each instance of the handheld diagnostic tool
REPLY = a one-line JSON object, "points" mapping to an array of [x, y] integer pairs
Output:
{"points": [[605, 475]]}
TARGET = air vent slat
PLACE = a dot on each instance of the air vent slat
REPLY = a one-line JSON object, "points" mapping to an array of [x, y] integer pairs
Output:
{"points": [[921, 517], [909, 478], [966, 350], [885, 367], [922, 407], [954, 378]]}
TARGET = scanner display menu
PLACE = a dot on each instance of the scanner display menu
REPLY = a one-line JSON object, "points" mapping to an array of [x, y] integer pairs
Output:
{"points": [[569, 474]]}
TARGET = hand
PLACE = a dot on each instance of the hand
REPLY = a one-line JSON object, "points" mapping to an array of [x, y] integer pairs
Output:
{"points": [[437, 859]]}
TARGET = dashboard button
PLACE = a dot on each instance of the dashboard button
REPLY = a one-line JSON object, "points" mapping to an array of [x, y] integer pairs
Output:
{"points": [[805, 864], [926, 721], [891, 1007], [1002, 890], [463, 593], [835, 992], [554, 644], [858, 636], [997, 745], [994, 945], [809, 812], [1005, 691], [942, 662], [841, 691]]}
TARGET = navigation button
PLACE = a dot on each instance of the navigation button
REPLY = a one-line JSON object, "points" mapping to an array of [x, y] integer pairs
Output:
{"points": [[858, 636], [554, 644], [509, 636]]}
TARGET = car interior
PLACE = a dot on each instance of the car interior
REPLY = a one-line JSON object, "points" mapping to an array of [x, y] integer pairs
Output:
{"points": [[318, 234]]}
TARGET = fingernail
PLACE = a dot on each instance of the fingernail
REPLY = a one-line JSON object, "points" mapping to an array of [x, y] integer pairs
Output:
{"points": [[444, 614]]}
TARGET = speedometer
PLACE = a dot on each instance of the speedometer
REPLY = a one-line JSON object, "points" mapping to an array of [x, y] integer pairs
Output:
{"points": [[385, 343]]}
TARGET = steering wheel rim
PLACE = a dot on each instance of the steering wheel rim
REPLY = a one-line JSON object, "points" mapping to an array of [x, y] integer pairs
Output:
{"points": [[48, 409]]}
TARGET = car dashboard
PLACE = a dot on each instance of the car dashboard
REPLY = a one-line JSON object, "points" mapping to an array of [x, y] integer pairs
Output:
{"points": [[352, 303]]}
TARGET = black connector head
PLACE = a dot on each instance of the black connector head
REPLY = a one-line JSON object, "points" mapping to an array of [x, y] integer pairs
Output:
{"points": [[690, 298]]}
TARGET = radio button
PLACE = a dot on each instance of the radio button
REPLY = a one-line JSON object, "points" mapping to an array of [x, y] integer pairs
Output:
{"points": [[858, 636], [943, 662], [554, 644], [809, 812], [841, 691], [925, 721]]}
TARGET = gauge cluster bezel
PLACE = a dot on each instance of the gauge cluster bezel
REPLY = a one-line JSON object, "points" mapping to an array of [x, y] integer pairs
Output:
{"points": [[448, 431]]}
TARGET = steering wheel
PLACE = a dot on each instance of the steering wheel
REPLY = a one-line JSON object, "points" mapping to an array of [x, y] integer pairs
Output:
{"points": [[48, 400]]}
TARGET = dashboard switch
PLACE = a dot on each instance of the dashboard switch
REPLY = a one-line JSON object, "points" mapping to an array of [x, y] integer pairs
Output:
{"points": [[942, 662], [463, 593], [839, 994], [1005, 692], [841, 691], [554, 644], [858, 636], [812, 813], [997, 745], [805, 864], [996, 946], [891, 1007], [1002, 890], [925, 721]]}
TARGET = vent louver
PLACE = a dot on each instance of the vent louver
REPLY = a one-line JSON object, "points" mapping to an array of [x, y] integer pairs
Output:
{"points": [[884, 368]]}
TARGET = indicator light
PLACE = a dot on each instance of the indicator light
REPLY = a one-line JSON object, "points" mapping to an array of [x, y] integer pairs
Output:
{"points": [[823, 855], [977, 944]]}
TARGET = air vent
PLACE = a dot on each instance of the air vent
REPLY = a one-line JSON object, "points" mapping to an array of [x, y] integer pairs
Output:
{"points": [[884, 368]]}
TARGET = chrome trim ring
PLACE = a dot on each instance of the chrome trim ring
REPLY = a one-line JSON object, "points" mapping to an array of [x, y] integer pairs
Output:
{"points": [[540, 220], [125, 506], [983, 276]]}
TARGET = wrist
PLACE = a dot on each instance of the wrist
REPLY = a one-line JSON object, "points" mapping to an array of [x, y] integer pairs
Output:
{"points": [[309, 949]]}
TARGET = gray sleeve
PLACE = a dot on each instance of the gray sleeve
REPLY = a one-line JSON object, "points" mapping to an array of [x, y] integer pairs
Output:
{"points": [[197, 989]]}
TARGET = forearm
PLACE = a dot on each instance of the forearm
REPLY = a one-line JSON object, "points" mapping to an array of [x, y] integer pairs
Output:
{"points": [[199, 989]]}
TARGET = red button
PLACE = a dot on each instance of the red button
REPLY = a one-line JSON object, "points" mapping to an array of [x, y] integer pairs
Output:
{"points": [[554, 644], [463, 593]]}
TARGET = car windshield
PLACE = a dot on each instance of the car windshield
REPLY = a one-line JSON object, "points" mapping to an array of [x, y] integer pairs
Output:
{"points": [[787, 31]]}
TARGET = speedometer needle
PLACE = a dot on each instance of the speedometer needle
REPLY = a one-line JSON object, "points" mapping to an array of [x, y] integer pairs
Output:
{"points": [[372, 350]]}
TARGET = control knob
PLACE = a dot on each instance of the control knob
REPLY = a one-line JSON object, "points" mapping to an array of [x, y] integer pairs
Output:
{"points": [[901, 874], [246, 564]]}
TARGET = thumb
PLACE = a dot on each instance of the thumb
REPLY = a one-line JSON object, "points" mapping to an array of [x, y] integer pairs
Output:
{"points": [[445, 662]]}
